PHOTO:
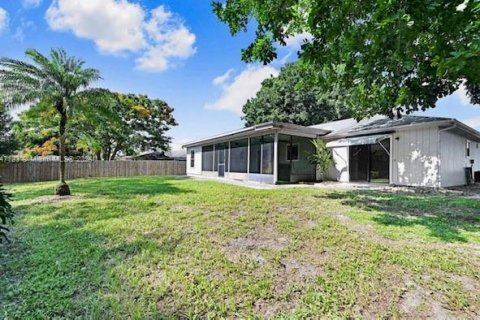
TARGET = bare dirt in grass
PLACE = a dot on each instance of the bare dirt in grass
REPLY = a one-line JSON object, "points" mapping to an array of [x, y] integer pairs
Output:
{"points": [[51, 200], [420, 303], [250, 245], [417, 301], [288, 272]]}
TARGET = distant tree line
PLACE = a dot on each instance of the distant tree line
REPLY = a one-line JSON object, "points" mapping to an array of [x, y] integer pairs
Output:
{"points": [[133, 124]]}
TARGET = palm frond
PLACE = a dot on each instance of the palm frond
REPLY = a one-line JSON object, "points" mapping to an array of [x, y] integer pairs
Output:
{"points": [[58, 75]]}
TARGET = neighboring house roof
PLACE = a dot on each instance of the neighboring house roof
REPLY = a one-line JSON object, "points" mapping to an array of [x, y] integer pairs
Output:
{"points": [[160, 155]]}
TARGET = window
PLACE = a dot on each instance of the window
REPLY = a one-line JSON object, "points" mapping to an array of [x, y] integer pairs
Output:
{"points": [[192, 159], [467, 148], [292, 152], [207, 158], [238, 156]]}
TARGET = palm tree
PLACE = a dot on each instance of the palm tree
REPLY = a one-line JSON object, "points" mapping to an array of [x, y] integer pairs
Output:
{"points": [[59, 79]]}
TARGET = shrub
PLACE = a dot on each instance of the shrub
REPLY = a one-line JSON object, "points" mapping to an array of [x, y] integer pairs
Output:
{"points": [[6, 214], [322, 157]]}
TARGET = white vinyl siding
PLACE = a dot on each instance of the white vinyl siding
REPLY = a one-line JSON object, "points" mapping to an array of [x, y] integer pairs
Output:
{"points": [[197, 169], [415, 157], [339, 172], [454, 158]]}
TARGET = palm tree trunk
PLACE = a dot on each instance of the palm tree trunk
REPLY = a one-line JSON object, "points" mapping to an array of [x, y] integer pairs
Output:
{"points": [[62, 189]]}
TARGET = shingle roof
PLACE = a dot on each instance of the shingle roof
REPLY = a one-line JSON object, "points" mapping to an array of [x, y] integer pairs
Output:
{"points": [[352, 127]]}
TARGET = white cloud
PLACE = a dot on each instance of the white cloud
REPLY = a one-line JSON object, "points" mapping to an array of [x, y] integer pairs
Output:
{"points": [[22, 28], [222, 79], [3, 19], [171, 39], [118, 26], [115, 26], [297, 40], [31, 3], [461, 94], [236, 91], [472, 122], [292, 46]]}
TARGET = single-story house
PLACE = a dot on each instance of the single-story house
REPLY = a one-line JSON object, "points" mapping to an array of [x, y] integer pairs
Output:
{"points": [[409, 151]]}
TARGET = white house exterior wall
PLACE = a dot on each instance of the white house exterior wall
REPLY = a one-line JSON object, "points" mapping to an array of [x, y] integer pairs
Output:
{"points": [[339, 171], [454, 159], [415, 157], [197, 169]]}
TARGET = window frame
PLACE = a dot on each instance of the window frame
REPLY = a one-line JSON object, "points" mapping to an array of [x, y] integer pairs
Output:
{"points": [[293, 145], [468, 148], [192, 158]]}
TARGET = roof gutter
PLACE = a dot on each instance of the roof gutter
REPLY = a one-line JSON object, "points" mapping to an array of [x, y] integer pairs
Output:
{"points": [[448, 128]]}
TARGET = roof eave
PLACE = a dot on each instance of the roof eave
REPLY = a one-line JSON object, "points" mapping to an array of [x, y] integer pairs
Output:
{"points": [[264, 128]]}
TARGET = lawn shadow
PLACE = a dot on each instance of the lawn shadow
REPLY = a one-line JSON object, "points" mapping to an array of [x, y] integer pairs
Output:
{"points": [[94, 187], [119, 188], [445, 217]]}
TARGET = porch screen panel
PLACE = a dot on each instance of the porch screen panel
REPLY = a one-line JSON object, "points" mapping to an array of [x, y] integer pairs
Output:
{"points": [[207, 158], [255, 154], [239, 155], [227, 156], [267, 154]]}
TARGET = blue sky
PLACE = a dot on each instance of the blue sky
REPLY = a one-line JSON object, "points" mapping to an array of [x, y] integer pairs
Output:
{"points": [[174, 50]]}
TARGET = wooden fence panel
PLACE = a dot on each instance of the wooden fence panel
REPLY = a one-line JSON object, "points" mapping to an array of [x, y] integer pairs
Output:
{"points": [[32, 171]]}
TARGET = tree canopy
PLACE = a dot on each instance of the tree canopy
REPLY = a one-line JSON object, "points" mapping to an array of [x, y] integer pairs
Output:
{"points": [[139, 125], [290, 98], [396, 56]]}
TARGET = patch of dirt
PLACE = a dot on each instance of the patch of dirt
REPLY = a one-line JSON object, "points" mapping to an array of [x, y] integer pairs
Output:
{"points": [[310, 224], [180, 208], [270, 309], [51, 199], [298, 273], [418, 302], [248, 246], [238, 212], [301, 269]]}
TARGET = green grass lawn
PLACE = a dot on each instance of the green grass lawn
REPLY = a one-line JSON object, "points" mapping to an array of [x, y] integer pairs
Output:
{"points": [[151, 247]]}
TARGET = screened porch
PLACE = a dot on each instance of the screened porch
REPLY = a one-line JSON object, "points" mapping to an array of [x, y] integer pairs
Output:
{"points": [[269, 158]]}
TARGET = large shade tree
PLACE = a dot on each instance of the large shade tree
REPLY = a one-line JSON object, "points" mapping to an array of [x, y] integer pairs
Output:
{"points": [[397, 56], [291, 98], [140, 125], [58, 79]]}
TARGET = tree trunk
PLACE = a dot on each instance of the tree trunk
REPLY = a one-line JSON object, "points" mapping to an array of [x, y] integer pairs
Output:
{"points": [[114, 153], [62, 188]]}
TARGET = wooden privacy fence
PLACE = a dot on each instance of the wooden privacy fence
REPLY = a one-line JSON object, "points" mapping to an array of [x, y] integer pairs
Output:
{"points": [[31, 171]]}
